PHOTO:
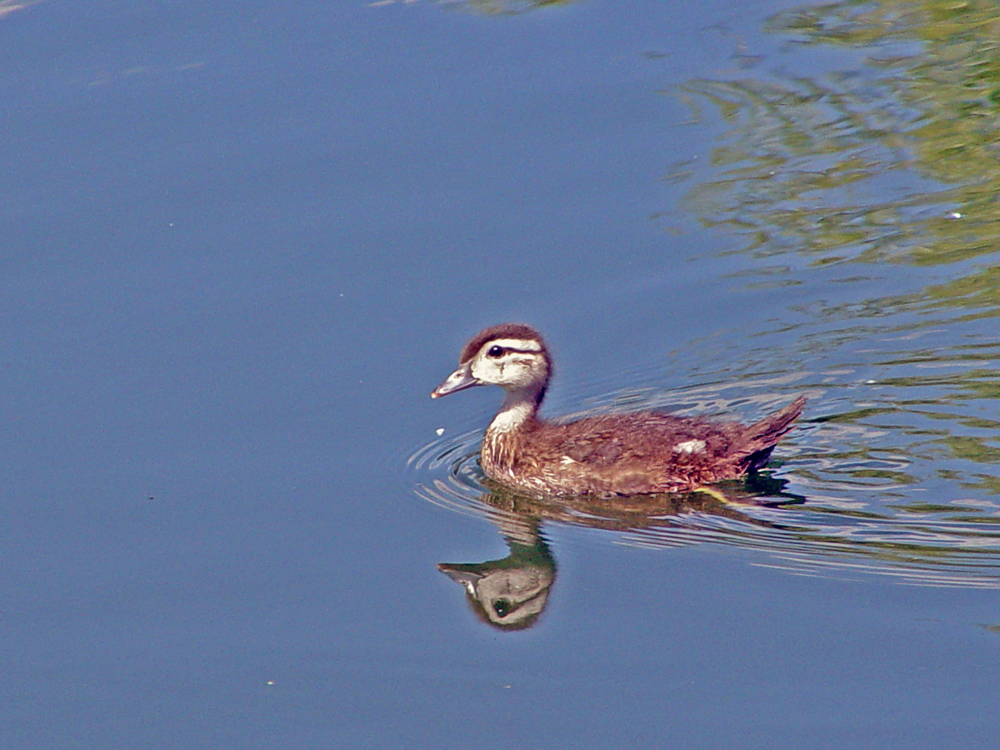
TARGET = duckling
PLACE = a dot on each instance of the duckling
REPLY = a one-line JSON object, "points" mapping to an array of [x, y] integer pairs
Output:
{"points": [[604, 456]]}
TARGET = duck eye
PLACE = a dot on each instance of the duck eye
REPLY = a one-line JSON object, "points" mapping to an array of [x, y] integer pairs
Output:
{"points": [[495, 351]]}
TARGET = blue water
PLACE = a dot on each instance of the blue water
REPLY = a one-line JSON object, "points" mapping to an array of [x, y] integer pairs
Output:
{"points": [[242, 244]]}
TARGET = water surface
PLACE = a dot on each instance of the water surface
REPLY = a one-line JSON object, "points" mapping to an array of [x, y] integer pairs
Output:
{"points": [[242, 245]]}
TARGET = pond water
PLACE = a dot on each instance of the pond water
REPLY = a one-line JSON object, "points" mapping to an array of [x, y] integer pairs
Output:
{"points": [[241, 246]]}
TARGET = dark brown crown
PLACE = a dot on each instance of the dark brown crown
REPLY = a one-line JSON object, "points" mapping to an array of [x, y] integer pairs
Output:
{"points": [[502, 331]]}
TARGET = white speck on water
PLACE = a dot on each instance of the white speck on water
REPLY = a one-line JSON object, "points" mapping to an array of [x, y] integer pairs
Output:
{"points": [[439, 431]]}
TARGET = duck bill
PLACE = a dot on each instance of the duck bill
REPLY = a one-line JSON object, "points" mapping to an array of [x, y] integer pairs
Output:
{"points": [[459, 380]]}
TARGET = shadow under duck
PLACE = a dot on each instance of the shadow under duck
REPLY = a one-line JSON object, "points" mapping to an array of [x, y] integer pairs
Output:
{"points": [[605, 456]]}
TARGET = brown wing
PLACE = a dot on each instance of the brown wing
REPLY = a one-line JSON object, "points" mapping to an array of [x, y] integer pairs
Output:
{"points": [[643, 437]]}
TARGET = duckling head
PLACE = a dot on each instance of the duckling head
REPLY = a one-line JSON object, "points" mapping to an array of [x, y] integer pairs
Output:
{"points": [[511, 355]]}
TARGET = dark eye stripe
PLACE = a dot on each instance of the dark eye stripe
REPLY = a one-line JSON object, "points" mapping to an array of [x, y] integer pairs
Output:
{"points": [[496, 351]]}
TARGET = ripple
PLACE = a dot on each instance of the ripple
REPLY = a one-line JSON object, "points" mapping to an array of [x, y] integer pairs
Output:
{"points": [[845, 497]]}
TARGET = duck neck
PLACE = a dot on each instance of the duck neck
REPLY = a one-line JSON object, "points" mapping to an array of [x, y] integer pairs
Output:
{"points": [[519, 410]]}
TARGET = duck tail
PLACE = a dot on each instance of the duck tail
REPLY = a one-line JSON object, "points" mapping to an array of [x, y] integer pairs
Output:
{"points": [[761, 437]]}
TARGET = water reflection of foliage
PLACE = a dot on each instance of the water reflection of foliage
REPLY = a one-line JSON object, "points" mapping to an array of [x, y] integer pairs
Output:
{"points": [[807, 162], [891, 165]]}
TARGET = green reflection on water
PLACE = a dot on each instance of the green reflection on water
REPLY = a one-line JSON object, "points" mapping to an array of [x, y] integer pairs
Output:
{"points": [[896, 160], [883, 174]]}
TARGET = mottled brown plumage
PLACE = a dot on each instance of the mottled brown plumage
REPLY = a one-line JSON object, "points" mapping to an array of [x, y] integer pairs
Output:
{"points": [[609, 455]]}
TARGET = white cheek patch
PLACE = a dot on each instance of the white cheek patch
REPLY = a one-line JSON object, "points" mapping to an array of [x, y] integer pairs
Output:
{"points": [[690, 446]]}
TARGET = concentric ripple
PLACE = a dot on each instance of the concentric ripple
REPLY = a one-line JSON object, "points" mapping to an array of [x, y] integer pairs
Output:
{"points": [[845, 497]]}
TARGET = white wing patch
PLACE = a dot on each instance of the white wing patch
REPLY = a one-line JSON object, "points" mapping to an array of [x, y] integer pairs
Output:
{"points": [[690, 446]]}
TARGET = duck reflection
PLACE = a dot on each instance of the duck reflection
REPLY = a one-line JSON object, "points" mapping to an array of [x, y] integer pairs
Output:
{"points": [[511, 593]]}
